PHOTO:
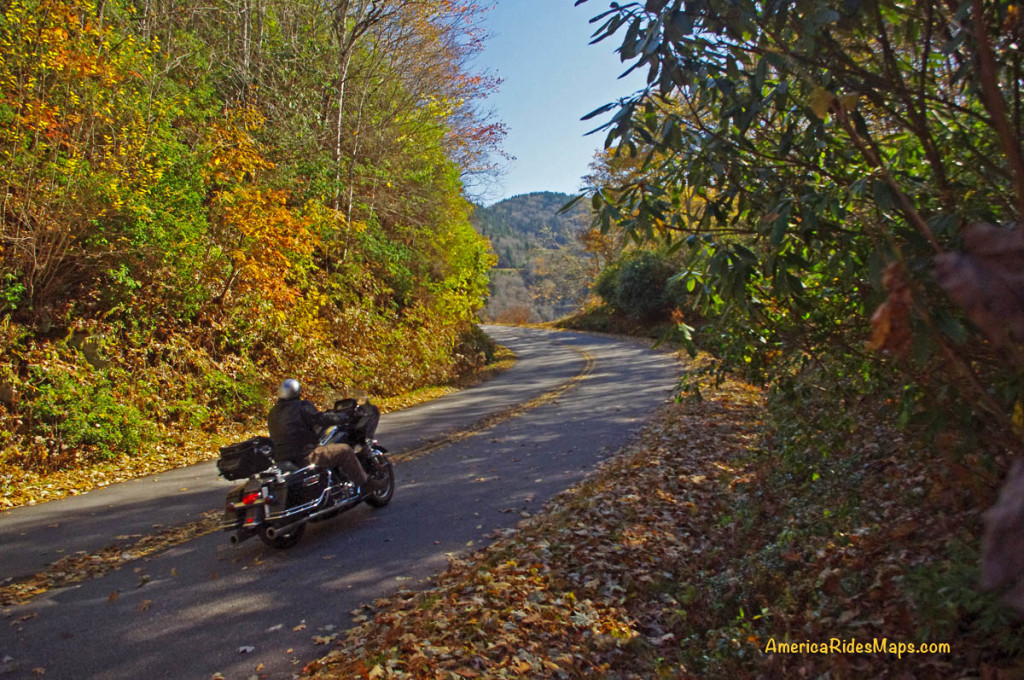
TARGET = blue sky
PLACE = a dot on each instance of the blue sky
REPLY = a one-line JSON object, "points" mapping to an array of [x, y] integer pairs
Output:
{"points": [[552, 78]]}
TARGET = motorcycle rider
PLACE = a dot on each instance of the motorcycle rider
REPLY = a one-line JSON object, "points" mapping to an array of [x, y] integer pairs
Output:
{"points": [[294, 426]]}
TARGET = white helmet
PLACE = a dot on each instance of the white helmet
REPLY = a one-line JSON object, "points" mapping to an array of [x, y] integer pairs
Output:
{"points": [[289, 389]]}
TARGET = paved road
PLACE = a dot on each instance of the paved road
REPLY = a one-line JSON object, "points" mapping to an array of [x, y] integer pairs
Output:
{"points": [[204, 607]]}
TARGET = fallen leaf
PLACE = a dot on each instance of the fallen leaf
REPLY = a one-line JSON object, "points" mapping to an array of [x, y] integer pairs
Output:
{"points": [[113, 596]]}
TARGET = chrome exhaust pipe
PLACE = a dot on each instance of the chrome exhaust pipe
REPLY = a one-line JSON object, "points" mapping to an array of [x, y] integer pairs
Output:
{"points": [[275, 532]]}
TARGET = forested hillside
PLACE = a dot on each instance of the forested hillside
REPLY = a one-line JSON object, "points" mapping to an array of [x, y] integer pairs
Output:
{"points": [[198, 200], [519, 225], [543, 271]]}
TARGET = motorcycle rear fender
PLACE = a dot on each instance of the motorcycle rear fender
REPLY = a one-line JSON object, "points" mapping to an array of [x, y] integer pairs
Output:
{"points": [[235, 495], [235, 499], [234, 509]]}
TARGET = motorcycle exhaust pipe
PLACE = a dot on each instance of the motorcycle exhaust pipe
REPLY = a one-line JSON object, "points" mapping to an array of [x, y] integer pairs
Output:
{"points": [[241, 535], [275, 532]]}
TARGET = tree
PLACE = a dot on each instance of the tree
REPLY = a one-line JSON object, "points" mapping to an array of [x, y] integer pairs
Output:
{"points": [[224, 192], [828, 143]]}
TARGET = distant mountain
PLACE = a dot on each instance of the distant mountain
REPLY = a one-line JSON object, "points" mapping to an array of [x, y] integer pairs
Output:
{"points": [[542, 271], [520, 224]]}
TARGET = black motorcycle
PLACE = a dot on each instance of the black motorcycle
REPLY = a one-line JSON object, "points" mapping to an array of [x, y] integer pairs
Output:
{"points": [[279, 498]]}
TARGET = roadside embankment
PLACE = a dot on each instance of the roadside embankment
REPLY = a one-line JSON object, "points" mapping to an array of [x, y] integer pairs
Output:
{"points": [[698, 551]]}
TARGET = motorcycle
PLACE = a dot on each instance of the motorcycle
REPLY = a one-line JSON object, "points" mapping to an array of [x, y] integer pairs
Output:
{"points": [[279, 498]]}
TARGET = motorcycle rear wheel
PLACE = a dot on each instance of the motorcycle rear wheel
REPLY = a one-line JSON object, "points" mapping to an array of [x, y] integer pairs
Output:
{"points": [[283, 542]]}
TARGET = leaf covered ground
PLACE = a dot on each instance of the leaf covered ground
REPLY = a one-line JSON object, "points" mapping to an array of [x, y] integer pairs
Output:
{"points": [[697, 550], [82, 565]]}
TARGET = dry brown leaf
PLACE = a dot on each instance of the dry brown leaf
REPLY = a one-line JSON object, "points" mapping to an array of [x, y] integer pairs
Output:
{"points": [[987, 280], [1003, 547], [890, 324]]}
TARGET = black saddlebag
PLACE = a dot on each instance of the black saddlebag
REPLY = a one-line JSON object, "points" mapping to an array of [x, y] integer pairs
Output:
{"points": [[244, 459]]}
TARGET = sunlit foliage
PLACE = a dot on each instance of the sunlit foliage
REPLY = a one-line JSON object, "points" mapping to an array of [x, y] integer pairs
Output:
{"points": [[200, 200], [826, 170]]}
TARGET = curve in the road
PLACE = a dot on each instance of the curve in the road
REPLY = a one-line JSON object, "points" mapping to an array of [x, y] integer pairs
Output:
{"points": [[204, 607], [499, 417]]}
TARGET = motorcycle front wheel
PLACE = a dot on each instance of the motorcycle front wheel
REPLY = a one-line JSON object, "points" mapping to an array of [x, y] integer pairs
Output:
{"points": [[283, 542], [379, 499]]}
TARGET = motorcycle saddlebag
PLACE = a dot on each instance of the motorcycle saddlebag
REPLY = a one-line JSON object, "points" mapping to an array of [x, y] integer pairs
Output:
{"points": [[244, 459]]}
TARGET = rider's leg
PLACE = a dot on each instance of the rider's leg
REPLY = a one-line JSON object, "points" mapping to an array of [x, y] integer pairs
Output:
{"points": [[344, 458]]}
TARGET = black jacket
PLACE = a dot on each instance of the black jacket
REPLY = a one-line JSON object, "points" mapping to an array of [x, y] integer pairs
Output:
{"points": [[295, 426]]}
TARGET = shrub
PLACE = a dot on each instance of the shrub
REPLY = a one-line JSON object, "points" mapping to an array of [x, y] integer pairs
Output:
{"points": [[638, 285], [80, 409]]}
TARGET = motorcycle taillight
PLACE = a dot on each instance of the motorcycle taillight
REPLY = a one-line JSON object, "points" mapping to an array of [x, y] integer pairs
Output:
{"points": [[251, 498]]}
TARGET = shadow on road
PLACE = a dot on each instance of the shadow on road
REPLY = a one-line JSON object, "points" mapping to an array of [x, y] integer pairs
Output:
{"points": [[198, 608]]}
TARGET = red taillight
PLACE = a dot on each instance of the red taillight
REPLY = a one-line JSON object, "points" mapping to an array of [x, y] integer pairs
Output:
{"points": [[251, 498]]}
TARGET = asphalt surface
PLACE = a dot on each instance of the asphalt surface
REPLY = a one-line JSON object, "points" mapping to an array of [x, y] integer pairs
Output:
{"points": [[205, 607]]}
